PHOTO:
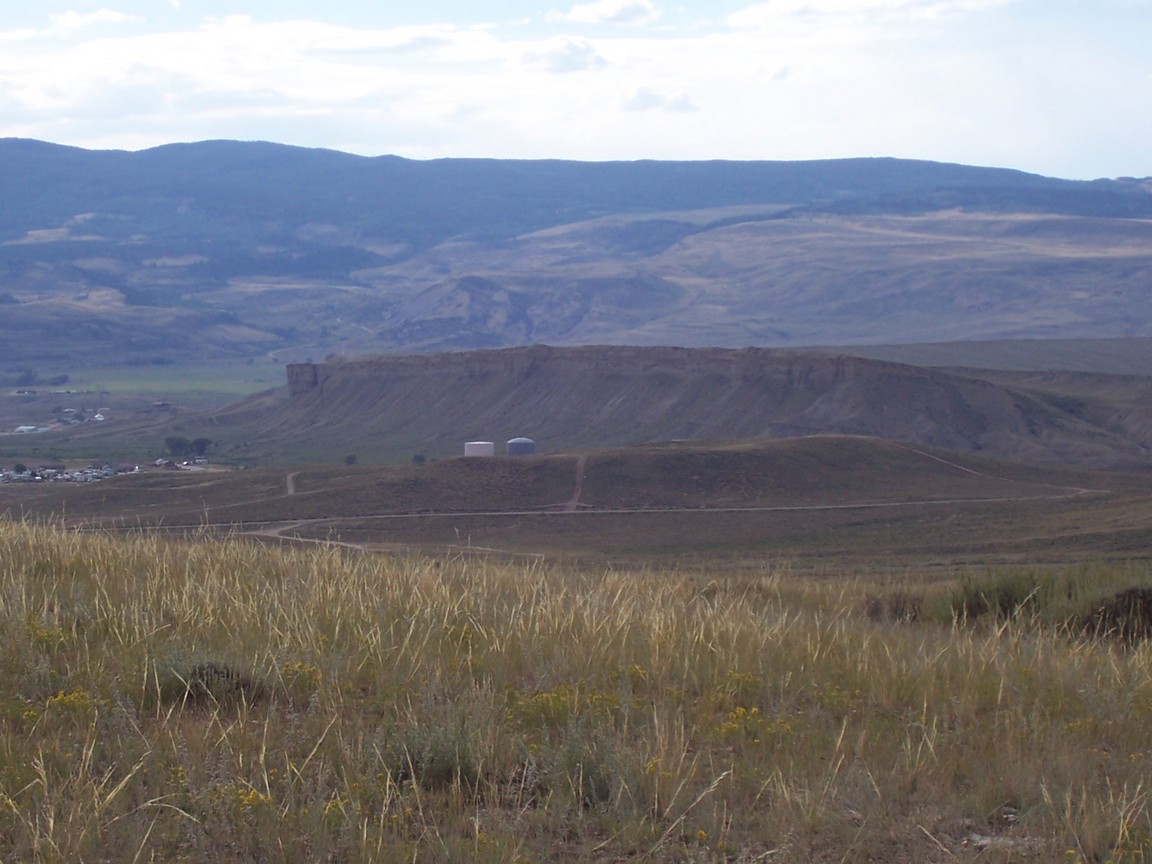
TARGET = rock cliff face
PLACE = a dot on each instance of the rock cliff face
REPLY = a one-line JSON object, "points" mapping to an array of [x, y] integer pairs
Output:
{"points": [[596, 396], [303, 377], [522, 363]]}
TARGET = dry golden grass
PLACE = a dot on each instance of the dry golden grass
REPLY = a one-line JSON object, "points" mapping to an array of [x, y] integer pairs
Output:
{"points": [[222, 701]]}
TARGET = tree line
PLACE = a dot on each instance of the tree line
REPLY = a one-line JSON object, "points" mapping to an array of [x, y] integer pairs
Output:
{"points": [[180, 446]]}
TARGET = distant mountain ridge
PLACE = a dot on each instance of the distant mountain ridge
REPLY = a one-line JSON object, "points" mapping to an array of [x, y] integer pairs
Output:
{"points": [[593, 397], [214, 186], [189, 251]]}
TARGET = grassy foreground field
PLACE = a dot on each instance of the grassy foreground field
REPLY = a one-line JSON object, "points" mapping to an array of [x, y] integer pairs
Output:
{"points": [[218, 700]]}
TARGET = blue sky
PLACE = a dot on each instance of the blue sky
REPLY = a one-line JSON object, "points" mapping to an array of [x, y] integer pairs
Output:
{"points": [[1058, 87]]}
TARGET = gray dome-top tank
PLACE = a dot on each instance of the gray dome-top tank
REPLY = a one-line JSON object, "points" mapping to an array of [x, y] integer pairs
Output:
{"points": [[520, 447]]}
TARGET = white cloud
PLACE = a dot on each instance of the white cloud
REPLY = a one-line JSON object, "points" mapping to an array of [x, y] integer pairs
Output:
{"points": [[646, 99], [611, 12], [17, 35], [76, 21], [570, 55], [789, 79], [773, 11]]}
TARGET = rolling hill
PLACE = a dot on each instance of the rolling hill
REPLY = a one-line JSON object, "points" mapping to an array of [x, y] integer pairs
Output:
{"points": [[390, 408], [816, 500], [195, 252]]}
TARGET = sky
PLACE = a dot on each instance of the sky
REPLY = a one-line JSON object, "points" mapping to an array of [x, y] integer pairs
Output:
{"points": [[1055, 87]]}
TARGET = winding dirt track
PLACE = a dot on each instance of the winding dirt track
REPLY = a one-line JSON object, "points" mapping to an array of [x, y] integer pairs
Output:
{"points": [[285, 529], [572, 503]]}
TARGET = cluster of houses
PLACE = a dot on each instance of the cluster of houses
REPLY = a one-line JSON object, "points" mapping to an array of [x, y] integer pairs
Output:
{"points": [[186, 465], [70, 418], [62, 474]]}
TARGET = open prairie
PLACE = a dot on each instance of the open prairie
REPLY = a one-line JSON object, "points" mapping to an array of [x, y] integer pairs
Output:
{"points": [[821, 500], [205, 699]]}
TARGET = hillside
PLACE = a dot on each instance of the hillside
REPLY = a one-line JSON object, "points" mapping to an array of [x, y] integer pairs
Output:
{"points": [[815, 499], [393, 407], [196, 252], [818, 470]]}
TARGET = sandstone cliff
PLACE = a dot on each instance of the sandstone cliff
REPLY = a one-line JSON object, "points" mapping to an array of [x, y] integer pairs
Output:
{"points": [[593, 396]]}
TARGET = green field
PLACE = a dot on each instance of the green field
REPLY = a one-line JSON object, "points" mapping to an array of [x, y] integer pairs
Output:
{"points": [[217, 381], [143, 405]]}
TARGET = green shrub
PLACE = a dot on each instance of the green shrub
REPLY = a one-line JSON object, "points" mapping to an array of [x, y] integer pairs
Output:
{"points": [[894, 607], [1003, 596], [206, 684], [1126, 615]]}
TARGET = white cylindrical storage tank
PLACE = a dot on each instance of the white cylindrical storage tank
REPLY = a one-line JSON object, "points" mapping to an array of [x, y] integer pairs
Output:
{"points": [[479, 448], [521, 447]]}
